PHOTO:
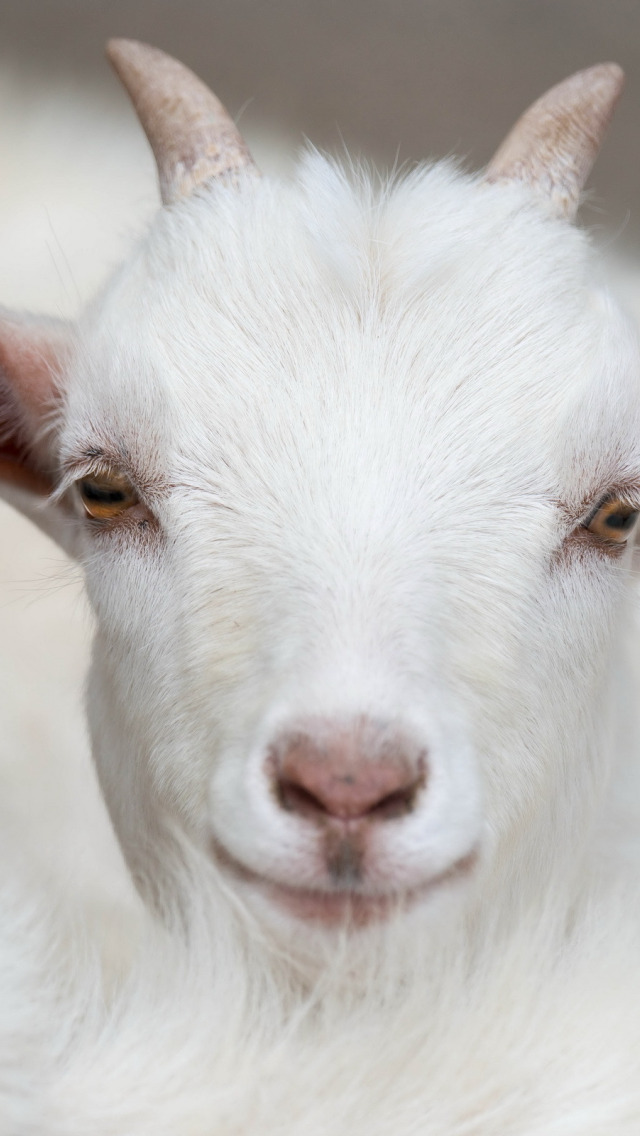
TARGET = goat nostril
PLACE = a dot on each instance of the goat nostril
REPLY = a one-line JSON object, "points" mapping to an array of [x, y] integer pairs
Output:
{"points": [[398, 803], [296, 799], [338, 802], [335, 781]]}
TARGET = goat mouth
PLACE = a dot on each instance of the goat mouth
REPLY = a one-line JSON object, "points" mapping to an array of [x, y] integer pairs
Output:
{"points": [[347, 907], [344, 908]]}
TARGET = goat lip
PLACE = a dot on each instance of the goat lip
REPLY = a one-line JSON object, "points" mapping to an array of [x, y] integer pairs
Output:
{"points": [[347, 907]]}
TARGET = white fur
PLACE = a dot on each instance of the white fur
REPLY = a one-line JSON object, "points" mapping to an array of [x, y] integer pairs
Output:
{"points": [[528, 1031], [362, 476], [367, 419]]}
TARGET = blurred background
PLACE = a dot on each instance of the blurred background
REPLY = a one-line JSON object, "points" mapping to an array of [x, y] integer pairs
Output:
{"points": [[387, 78], [426, 76], [390, 79]]}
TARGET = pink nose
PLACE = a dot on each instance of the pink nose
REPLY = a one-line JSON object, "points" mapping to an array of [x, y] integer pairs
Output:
{"points": [[357, 771]]}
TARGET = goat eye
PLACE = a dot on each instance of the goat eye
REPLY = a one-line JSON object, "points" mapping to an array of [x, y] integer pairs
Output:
{"points": [[107, 495], [613, 520]]}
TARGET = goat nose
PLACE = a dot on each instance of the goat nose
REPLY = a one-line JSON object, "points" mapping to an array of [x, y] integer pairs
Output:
{"points": [[362, 773]]}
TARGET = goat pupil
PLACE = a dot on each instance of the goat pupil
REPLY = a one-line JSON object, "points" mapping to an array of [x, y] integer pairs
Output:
{"points": [[621, 521], [101, 495]]}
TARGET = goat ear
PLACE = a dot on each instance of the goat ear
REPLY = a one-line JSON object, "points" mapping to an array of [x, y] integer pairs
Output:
{"points": [[554, 144], [33, 353]]}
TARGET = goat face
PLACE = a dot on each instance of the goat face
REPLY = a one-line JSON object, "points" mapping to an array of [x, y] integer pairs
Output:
{"points": [[351, 472], [354, 637]]}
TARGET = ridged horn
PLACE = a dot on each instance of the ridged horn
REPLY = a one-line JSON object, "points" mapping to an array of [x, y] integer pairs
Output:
{"points": [[553, 146], [192, 136]]}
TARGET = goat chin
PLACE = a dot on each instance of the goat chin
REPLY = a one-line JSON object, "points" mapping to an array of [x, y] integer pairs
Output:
{"points": [[223, 1031]]}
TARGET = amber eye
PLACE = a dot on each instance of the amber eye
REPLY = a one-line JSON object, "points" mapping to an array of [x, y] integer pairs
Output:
{"points": [[107, 495], [613, 520]]}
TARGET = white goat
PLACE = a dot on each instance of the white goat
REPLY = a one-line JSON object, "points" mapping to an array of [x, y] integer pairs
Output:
{"points": [[353, 472]]}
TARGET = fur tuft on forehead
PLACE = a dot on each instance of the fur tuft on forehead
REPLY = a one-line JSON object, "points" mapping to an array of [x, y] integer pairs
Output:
{"points": [[243, 306]]}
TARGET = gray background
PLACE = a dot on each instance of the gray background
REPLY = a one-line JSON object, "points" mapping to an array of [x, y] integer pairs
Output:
{"points": [[409, 77]]}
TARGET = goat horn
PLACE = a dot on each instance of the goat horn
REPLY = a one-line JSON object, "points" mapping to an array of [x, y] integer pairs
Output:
{"points": [[192, 136], [553, 146]]}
